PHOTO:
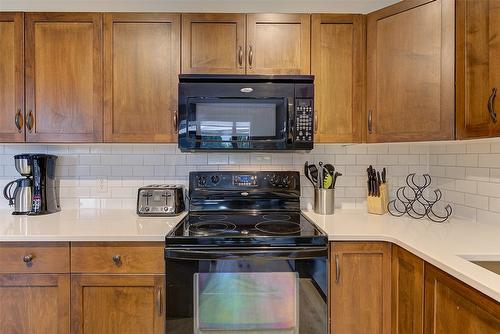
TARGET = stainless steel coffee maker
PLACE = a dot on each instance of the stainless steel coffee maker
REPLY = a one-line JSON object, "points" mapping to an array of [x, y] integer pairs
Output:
{"points": [[38, 192]]}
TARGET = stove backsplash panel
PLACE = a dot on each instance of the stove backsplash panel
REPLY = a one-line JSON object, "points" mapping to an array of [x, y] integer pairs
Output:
{"points": [[108, 176]]}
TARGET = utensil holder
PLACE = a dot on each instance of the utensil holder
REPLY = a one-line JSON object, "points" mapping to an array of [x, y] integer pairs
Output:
{"points": [[378, 205], [324, 201]]}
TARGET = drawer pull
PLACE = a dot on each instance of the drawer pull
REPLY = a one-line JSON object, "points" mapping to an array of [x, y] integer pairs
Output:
{"points": [[117, 260], [28, 259]]}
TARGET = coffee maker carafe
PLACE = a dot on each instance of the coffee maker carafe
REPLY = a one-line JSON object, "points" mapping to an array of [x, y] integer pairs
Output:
{"points": [[37, 193]]}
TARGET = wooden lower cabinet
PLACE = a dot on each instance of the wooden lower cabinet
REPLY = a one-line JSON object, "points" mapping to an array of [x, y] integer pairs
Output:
{"points": [[117, 304], [453, 307], [35, 303], [360, 294], [407, 292]]}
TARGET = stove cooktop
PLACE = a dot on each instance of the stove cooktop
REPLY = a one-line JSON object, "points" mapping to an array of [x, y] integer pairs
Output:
{"points": [[246, 229]]}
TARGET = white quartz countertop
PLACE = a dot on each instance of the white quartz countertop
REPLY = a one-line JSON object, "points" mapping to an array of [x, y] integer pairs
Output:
{"points": [[86, 225], [446, 245]]}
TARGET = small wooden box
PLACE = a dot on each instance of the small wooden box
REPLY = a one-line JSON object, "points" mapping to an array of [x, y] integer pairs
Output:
{"points": [[378, 205]]}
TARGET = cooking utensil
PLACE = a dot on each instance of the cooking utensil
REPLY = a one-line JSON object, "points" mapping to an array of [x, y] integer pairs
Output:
{"points": [[313, 172], [328, 180], [384, 175], [306, 173], [335, 178], [321, 175]]}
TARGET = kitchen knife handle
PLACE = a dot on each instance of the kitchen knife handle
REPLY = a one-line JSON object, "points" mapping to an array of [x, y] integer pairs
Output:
{"points": [[240, 56], [370, 121], [19, 120], [158, 301], [174, 121], [491, 106], [250, 56], [337, 269], [30, 121]]}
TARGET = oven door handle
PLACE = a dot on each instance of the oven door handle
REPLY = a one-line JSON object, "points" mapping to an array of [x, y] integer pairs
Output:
{"points": [[232, 254]]}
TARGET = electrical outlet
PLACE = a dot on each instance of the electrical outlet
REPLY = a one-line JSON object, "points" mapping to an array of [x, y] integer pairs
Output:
{"points": [[102, 185]]}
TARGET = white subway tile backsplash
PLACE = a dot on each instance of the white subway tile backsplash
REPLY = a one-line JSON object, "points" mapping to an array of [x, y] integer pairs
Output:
{"points": [[468, 173]]}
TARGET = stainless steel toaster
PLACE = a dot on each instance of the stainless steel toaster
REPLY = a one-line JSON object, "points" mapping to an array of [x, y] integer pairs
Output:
{"points": [[160, 200]]}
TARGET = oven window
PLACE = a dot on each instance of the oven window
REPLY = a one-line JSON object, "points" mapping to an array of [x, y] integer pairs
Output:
{"points": [[220, 123], [261, 302]]}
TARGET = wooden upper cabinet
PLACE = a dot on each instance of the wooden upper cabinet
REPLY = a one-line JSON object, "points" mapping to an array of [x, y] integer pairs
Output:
{"points": [[410, 71], [360, 294], [478, 68], [337, 48], [278, 44], [141, 65], [63, 77], [126, 304], [11, 77], [407, 292], [453, 307], [213, 43]]}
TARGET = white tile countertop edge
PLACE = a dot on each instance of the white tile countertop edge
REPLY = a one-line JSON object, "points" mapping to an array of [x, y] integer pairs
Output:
{"points": [[443, 245], [439, 244]]}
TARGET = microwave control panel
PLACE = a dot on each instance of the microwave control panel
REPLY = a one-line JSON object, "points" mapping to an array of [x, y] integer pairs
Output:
{"points": [[304, 120]]}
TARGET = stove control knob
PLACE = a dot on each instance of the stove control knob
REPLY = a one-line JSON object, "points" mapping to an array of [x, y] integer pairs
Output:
{"points": [[202, 181], [215, 179], [285, 181]]}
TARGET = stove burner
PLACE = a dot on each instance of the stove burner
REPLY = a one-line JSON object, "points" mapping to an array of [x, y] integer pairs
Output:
{"points": [[278, 227], [276, 216], [212, 217], [208, 228]]}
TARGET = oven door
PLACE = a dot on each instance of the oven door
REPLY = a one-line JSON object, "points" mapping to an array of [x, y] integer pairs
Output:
{"points": [[236, 123], [260, 291]]}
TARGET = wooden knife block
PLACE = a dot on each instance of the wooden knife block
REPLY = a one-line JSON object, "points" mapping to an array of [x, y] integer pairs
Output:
{"points": [[378, 205]]}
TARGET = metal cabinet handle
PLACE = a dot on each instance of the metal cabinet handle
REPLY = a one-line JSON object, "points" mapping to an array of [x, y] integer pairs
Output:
{"points": [[19, 120], [240, 56], [491, 106], [316, 122], [250, 55], [174, 120], [370, 121], [28, 259], [158, 302], [337, 269], [117, 260], [30, 121]]}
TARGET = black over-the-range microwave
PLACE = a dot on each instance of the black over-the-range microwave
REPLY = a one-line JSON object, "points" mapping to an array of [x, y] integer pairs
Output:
{"points": [[245, 112]]}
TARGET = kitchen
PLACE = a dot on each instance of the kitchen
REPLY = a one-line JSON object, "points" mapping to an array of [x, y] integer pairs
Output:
{"points": [[234, 106]]}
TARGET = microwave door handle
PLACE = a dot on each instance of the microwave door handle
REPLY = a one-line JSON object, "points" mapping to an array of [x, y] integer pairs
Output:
{"points": [[291, 118], [232, 254]]}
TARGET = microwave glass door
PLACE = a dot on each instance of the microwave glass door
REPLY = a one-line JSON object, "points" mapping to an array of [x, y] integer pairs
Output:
{"points": [[236, 123]]}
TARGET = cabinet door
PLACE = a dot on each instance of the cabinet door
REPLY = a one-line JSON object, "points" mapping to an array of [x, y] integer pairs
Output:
{"points": [[278, 44], [33, 303], [141, 65], [453, 307], [360, 298], [11, 77], [63, 77], [407, 292], [410, 71], [337, 48], [213, 43], [478, 67], [126, 304]]}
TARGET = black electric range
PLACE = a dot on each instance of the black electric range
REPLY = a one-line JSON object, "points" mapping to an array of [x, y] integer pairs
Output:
{"points": [[245, 248]]}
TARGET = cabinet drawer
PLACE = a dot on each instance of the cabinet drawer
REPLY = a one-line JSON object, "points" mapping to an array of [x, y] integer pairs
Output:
{"points": [[34, 257], [115, 258]]}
